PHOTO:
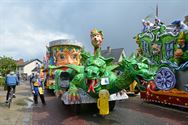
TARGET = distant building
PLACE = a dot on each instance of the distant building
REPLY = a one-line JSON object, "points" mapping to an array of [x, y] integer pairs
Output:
{"points": [[25, 69], [117, 54], [36, 70], [20, 62]]}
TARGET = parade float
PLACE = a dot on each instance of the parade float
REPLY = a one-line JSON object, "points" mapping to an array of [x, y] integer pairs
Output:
{"points": [[59, 53], [96, 81], [165, 49]]}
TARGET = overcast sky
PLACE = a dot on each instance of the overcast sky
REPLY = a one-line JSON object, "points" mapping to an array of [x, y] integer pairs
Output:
{"points": [[27, 26]]}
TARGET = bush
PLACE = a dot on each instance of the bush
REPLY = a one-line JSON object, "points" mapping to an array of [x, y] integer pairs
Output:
{"points": [[2, 81]]}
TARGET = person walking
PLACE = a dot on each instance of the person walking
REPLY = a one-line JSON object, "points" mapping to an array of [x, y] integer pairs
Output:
{"points": [[37, 89], [11, 80], [31, 77]]}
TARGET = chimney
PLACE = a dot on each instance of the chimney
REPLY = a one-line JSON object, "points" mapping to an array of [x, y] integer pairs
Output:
{"points": [[109, 50], [20, 62]]}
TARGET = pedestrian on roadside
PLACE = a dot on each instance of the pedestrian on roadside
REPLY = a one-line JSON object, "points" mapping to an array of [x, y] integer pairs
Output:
{"points": [[11, 80], [37, 89], [18, 75], [31, 78]]}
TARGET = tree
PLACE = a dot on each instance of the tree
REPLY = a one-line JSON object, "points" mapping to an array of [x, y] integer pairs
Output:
{"points": [[7, 64]]}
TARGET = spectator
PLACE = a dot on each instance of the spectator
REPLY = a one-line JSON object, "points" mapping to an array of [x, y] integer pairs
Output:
{"points": [[11, 80], [18, 76], [31, 77], [37, 89]]}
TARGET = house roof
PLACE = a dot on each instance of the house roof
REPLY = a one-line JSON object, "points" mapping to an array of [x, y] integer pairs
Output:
{"points": [[20, 62], [30, 61], [35, 69], [115, 53]]}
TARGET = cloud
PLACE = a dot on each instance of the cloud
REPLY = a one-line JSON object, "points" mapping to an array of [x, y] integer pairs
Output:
{"points": [[28, 44], [20, 33], [27, 26]]}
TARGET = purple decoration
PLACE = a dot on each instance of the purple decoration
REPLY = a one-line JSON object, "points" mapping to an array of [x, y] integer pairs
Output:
{"points": [[165, 79]]}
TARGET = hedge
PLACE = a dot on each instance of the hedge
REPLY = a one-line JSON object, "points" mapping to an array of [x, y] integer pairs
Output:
{"points": [[2, 81]]}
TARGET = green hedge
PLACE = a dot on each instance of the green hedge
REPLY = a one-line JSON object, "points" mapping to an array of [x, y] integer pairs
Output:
{"points": [[2, 81]]}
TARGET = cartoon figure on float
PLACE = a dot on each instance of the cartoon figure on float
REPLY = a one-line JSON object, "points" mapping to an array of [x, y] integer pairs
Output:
{"points": [[98, 73]]}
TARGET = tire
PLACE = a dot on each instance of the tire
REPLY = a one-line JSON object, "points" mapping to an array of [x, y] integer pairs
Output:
{"points": [[9, 102], [136, 92], [112, 105]]}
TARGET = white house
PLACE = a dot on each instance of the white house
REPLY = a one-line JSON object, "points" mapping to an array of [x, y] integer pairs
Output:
{"points": [[26, 68]]}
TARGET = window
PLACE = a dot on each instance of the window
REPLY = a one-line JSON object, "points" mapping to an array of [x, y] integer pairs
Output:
{"points": [[145, 47], [169, 47], [21, 68]]}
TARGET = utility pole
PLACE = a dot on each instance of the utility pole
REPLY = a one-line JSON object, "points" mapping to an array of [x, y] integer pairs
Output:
{"points": [[157, 11]]}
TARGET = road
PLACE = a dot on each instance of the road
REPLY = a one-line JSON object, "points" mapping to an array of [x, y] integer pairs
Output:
{"points": [[20, 112], [129, 112]]}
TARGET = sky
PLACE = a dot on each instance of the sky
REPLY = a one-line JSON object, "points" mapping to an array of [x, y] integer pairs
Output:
{"points": [[27, 27]]}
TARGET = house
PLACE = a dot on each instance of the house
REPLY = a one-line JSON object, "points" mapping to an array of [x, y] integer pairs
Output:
{"points": [[117, 54], [36, 70], [25, 69]]}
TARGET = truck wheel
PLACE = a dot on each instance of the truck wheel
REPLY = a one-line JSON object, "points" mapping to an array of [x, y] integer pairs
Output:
{"points": [[136, 92], [112, 105]]}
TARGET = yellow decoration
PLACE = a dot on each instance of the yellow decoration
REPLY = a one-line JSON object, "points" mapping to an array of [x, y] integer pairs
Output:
{"points": [[137, 39], [103, 103], [41, 91], [95, 32], [74, 50], [181, 36], [36, 83], [132, 86], [65, 50]]}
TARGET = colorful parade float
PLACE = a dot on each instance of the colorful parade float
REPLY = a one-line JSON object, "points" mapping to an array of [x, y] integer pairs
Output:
{"points": [[165, 50], [96, 81], [59, 53], [159, 70]]}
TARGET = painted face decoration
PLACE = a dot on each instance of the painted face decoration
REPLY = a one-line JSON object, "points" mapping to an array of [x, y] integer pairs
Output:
{"points": [[96, 38], [67, 57]]}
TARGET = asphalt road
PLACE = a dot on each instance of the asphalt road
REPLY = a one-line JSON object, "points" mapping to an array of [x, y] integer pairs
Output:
{"points": [[129, 112]]}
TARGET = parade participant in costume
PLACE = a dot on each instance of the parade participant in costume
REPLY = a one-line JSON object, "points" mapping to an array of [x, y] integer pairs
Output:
{"points": [[38, 89], [11, 81]]}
